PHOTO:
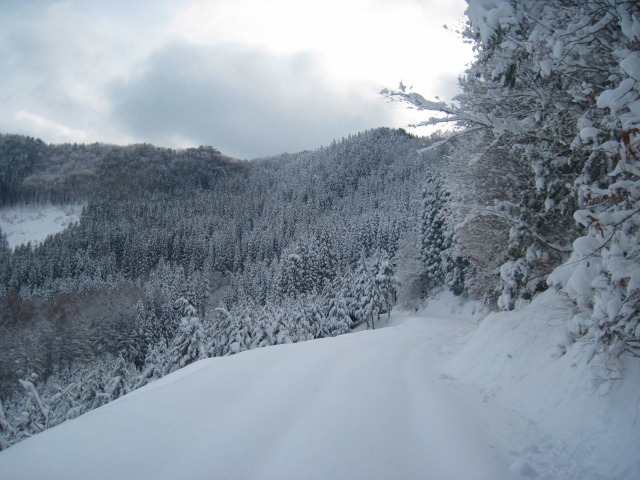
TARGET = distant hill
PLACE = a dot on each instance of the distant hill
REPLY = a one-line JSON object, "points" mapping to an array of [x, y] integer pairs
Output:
{"points": [[32, 171]]}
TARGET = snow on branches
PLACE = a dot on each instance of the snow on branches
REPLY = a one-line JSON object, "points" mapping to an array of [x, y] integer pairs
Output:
{"points": [[555, 87]]}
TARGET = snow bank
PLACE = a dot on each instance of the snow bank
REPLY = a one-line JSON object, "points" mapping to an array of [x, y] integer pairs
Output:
{"points": [[445, 304], [517, 359]]}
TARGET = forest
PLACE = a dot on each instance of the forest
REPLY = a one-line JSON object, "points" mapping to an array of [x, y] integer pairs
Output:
{"points": [[186, 254]]}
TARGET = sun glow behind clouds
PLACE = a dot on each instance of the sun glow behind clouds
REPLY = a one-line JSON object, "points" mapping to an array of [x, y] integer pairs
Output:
{"points": [[374, 41]]}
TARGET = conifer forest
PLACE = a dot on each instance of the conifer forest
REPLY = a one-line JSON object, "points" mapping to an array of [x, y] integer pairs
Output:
{"points": [[532, 184]]}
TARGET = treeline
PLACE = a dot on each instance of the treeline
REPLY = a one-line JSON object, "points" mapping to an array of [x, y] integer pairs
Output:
{"points": [[34, 172]]}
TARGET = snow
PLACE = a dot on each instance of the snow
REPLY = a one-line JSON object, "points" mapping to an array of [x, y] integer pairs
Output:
{"points": [[34, 223], [433, 394], [616, 98], [487, 15], [546, 67], [558, 49], [631, 65], [630, 26], [589, 133], [587, 416]]}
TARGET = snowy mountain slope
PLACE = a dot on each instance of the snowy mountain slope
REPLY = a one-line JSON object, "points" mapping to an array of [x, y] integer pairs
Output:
{"points": [[372, 404], [34, 223], [589, 405]]}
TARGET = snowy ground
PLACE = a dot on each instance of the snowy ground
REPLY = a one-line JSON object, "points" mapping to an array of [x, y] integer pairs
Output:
{"points": [[34, 223], [430, 396]]}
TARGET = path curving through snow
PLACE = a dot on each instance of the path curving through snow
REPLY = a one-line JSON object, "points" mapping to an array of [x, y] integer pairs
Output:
{"points": [[368, 405]]}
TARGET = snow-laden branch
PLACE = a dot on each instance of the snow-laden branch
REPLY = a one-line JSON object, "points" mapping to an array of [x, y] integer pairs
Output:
{"points": [[452, 112], [493, 212], [449, 139]]}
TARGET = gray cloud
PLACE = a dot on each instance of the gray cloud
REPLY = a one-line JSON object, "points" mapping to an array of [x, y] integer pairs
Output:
{"points": [[56, 58], [246, 103]]}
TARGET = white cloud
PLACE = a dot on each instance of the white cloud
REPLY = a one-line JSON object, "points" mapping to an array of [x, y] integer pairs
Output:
{"points": [[42, 127], [378, 40], [244, 102]]}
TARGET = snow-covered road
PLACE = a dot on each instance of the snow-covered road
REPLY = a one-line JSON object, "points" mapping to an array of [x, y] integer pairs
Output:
{"points": [[368, 405]]}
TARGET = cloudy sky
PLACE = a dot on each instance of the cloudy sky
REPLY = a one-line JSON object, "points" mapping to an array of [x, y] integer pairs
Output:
{"points": [[249, 77]]}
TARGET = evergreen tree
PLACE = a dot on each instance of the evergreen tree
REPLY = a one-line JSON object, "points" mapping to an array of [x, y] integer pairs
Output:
{"points": [[338, 319], [156, 365], [434, 238], [221, 324], [444, 265], [282, 330], [36, 411], [119, 384], [301, 329], [7, 432], [385, 280], [5, 265], [316, 319], [95, 385], [368, 296], [188, 345]]}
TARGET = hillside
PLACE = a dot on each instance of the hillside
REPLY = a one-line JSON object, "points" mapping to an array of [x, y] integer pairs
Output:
{"points": [[34, 172]]}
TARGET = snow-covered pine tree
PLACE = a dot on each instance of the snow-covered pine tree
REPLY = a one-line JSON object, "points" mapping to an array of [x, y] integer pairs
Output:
{"points": [[315, 319], [5, 259], [220, 321], [188, 344], [238, 334], [434, 235], [156, 364], [95, 385], [267, 324], [292, 281], [60, 393], [145, 334], [326, 257], [164, 287], [386, 281], [368, 295], [119, 384], [338, 319], [36, 412], [300, 327], [259, 335], [73, 402], [7, 432], [282, 330]]}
